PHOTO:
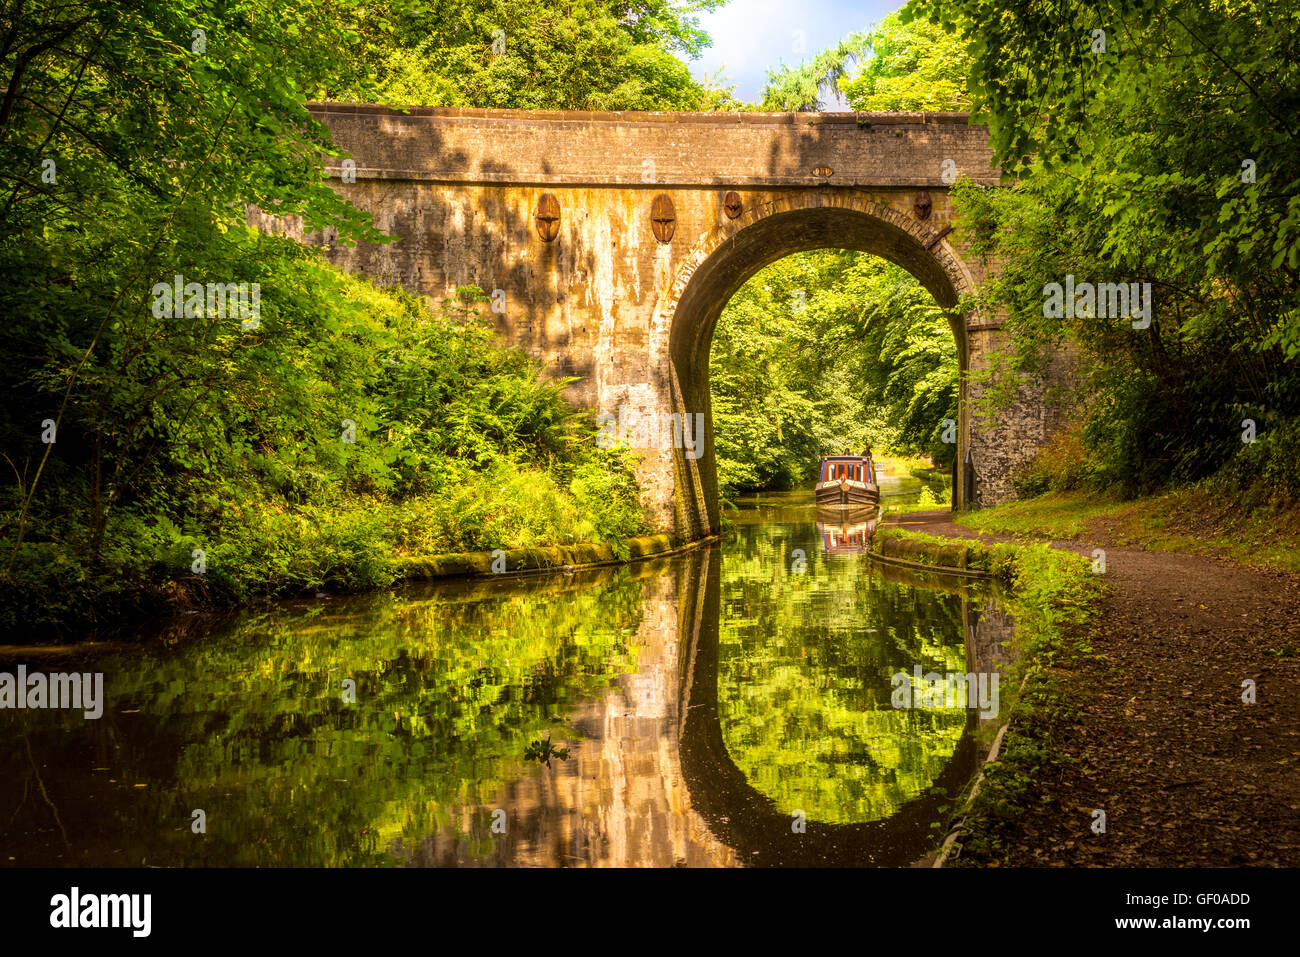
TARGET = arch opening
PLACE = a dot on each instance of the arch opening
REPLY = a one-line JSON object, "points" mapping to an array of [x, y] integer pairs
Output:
{"points": [[725, 259]]}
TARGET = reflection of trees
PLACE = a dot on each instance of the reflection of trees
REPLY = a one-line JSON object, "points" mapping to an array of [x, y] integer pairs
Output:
{"points": [[782, 713], [804, 666], [251, 726]]}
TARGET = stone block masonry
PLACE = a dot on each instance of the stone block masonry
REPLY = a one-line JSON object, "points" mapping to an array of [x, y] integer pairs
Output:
{"points": [[631, 315]]}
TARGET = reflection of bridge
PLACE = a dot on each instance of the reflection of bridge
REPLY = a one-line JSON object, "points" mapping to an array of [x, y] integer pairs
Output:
{"points": [[652, 782], [746, 819]]}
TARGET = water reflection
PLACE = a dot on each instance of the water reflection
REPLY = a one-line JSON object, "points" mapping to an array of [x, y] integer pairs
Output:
{"points": [[672, 713], [845, 529]]}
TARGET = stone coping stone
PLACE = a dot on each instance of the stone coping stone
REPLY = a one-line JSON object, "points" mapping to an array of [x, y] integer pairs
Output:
{"points": [[520, 561], [955, 557], [649, 116]]}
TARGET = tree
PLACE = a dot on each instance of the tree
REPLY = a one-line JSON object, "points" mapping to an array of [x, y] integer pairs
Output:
{"points": [[914, 66], [540, 54], [134, 135], [1154, 143], [800, 89]]}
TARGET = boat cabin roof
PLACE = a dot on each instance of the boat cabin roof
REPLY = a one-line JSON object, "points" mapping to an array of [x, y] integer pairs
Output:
{"points": [[856, 468]]}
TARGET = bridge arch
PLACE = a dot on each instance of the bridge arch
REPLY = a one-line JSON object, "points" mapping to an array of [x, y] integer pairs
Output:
{"points": [[726, 256]]}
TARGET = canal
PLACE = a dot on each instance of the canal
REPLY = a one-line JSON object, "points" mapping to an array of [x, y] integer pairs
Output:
{"points": [[730, 705]]}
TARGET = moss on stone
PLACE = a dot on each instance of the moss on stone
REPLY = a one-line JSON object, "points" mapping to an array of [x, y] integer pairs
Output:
{"points": [[939, 553], [519, 560]]}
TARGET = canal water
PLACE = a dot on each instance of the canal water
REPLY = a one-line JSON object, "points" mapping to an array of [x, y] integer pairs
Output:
{"points": [[727, 706]]}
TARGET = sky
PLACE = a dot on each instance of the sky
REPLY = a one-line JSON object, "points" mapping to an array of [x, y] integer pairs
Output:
{"points": [[749, 36]]}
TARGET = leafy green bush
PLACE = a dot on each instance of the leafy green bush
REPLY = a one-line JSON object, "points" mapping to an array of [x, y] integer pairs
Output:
{"points": [[1264, 473], [1060, 465], [356, 426]]}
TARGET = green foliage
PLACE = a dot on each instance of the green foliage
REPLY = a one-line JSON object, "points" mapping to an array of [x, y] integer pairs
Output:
{"points": [[505, 505], [799, 89], [289, 449], [525, 54], [914, 66], [900, 66], [1263, 474], [1133, 167], [825, 351], [1059, 466], [460, 446]]}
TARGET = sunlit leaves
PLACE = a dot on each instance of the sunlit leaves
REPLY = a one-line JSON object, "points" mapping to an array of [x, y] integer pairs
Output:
{"points": [[1168, 158], [913, 66], [583, 55], [804, 87]]}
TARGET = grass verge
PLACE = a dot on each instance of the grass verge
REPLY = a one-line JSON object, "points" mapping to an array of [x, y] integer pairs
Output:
{"points": [[1192, 519]]}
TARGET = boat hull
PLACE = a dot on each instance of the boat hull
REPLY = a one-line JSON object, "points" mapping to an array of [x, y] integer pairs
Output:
{"points": [[837, 494], [846, 514]]}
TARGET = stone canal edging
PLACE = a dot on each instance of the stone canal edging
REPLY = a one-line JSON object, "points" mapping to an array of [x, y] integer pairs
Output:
{"points": [[531, 561], [951, 557]]}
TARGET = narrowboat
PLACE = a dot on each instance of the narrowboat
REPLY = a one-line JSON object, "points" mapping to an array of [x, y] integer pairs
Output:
{"points": [[847, 480]]}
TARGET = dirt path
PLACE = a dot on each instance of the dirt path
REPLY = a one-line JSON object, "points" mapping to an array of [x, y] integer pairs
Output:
{"points": [[1187, 774]]}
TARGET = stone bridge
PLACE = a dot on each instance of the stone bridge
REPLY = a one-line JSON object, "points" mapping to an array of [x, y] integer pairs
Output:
{"points": [[612, 241]]}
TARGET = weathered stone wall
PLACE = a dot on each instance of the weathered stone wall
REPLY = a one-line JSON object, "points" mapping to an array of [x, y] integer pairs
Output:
{"points": [[633, 316], [1000, 448], [619, 799]]}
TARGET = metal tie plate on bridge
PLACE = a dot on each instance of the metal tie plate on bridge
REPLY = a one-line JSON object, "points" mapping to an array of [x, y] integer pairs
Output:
{"points": [[548, 217], [663, 218]]}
